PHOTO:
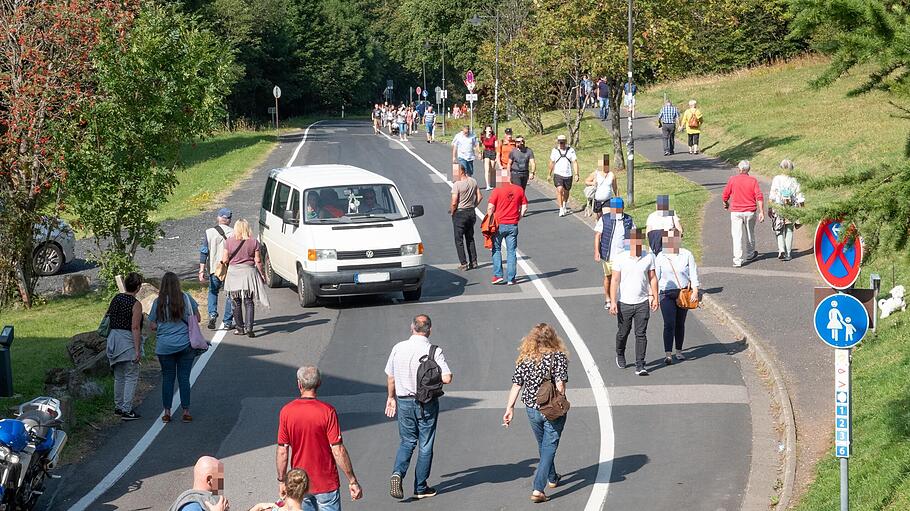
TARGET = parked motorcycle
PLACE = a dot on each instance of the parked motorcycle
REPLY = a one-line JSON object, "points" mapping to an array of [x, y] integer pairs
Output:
{"points": [[30, 447]]}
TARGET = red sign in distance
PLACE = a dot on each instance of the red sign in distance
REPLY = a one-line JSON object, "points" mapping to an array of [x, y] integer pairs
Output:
{"points": [[418, 90], [838, 260]]}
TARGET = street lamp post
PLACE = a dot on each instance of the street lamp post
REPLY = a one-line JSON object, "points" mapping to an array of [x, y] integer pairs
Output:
{"points": [[630, 185], [442, 43], [476, 21]]}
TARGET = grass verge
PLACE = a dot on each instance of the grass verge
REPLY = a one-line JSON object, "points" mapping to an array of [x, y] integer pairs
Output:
{"points": [[687, 198], [42, 333], [772, 113]]}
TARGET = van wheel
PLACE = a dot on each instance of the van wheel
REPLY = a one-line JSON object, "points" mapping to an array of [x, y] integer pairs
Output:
{"points": [[305, 294], [271, 278], [412, 296]]}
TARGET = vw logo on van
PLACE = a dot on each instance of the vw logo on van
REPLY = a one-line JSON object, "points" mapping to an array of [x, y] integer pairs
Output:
{"points": [[369, 254]]}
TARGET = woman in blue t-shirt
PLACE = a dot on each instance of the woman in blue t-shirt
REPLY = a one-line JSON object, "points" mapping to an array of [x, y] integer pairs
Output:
{"points": [[169, 318]]}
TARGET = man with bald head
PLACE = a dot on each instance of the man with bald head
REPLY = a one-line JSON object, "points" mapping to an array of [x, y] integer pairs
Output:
{"points": [[208, 483], [309, 428]]}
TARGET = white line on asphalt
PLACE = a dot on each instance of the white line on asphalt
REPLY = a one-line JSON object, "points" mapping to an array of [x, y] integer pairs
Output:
{"points": [[598, 495], [306, 133], [146, 441]]}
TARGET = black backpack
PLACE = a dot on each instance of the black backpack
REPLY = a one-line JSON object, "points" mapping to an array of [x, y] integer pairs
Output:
{"points": [[429, 378]]}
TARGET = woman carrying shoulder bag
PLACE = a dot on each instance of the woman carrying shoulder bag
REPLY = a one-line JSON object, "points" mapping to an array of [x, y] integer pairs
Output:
{"points": [[542, 357], [676, 273], [124, 345], [604, 182], [170, 318]]}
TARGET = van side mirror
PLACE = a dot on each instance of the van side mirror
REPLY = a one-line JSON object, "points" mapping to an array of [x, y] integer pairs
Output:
{"points": [[290, 217], [416, 211]]}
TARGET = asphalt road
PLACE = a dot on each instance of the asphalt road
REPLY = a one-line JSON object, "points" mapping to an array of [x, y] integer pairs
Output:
{"points": [[680, 438]]}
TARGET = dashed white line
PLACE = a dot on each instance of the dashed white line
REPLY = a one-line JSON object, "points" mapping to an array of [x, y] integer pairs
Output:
{"points": [[598, 496]]}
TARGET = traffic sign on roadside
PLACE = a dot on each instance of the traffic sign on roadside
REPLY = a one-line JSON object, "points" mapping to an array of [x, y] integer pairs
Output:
{"points": [[276, 92], [842, 404], [417, 90], [837, 258], [469, 81], [841, 321], [471, 97], [425, 93]]}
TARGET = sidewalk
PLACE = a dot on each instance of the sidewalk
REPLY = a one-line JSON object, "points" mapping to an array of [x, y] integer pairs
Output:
{"points": [[773, 298]]}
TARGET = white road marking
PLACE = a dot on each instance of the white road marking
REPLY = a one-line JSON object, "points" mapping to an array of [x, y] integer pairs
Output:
{"points": [[598, 496], [146, 441], [632, 395], [306, 133]]}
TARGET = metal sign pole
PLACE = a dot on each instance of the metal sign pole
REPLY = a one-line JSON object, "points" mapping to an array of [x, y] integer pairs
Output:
{"points": [[472, 117], [843, 417], [276, 113]]}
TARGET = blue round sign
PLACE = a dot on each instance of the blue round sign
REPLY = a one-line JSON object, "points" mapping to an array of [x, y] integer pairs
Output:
{"points": [[841, 321], [425, 93]]}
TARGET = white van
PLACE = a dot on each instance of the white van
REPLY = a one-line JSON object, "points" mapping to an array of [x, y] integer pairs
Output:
{"points": [[338, 230]]}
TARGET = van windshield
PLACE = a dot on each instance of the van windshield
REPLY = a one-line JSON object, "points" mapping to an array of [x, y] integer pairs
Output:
{"points": [[350, 204]]}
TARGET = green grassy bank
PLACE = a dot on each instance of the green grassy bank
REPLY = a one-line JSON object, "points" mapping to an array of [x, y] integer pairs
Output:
{"points": [[772, 113]]}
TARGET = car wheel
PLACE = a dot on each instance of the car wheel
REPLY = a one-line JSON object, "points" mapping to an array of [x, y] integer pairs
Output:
{"points": [[412, 296], [48, 259], [271, 278], [305, 294]]}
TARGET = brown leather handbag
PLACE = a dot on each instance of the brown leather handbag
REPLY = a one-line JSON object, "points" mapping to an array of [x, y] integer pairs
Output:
{"points": [[553, 403], [686, 299]]}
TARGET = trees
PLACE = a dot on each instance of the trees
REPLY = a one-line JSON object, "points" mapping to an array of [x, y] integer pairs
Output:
{"points": [[45, 84], [161, 83], [854, 33]]}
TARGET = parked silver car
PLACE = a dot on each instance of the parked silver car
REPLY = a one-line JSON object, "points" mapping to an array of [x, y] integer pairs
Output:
{"points": [[53, 250]]}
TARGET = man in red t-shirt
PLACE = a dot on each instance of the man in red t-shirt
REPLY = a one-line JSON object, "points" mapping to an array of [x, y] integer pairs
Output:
{"points": [[508, 204], [309, 428], [742, 196]]}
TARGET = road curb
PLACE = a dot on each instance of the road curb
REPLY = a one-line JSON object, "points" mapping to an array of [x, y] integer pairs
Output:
{"points": [[766, 359]]}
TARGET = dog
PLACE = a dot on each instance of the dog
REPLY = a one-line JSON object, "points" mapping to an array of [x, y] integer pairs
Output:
{"points": [[893, 303]]}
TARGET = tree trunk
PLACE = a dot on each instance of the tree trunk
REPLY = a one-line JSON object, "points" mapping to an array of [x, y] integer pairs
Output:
{"points": [[616, 90]]}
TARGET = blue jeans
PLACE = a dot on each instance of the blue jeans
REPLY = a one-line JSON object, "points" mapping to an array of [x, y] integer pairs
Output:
{"points": [[402, 128], [509, 232], [467, 165], [329, 501], [176, 365], [547, 434], [215, 286], [417, 428], [604, 108]]}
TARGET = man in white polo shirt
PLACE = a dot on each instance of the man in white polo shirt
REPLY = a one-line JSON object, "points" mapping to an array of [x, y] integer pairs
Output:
{"points": [[633, 296], [416, 422], [564, 169]]}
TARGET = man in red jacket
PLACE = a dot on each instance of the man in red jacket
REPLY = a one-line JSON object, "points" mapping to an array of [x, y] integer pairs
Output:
{"points": [[743, 197], [508, 203]]}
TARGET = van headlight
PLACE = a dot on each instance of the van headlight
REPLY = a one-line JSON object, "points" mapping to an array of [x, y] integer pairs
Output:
{"points": [[412, 249], [317, 254]]}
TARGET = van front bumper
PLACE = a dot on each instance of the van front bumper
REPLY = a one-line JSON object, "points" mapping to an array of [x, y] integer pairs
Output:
{"points": [[341, 282]]}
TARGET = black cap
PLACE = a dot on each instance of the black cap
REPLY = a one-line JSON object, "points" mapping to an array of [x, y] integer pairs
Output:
{"points": [[508, 130]]}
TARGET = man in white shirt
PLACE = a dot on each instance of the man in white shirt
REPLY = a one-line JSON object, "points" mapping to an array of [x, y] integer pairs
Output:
{"points": [[660, 222], [633, 293], [416, 421], [464, 149], [563, 166]]}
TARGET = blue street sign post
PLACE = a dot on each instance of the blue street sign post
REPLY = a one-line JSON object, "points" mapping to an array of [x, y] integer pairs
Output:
{"points": [[841, 321]]}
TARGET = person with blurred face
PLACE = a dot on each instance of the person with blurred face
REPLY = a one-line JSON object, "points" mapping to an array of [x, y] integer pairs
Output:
{"points": [[206, 493], [633, 296], [675, 269], [610, 232]]}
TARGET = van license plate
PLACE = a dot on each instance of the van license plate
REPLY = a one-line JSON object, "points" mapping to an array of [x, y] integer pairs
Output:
{"points": [[363, 278]]}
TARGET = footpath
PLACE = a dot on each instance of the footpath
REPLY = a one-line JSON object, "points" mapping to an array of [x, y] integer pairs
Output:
{"points": [[771, 299]]}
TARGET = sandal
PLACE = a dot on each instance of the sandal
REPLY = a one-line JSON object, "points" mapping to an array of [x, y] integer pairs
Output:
{"points": [[538, 498], [165, 418], [187, 417]]}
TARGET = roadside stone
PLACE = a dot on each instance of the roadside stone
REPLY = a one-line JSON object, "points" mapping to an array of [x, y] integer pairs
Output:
{"points": [[146, 295], [97, 366], [86, 389], [75, 285], [85, 346]]}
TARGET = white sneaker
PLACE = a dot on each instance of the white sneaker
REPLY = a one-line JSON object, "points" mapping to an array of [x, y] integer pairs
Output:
{"points": [[562, 211]]}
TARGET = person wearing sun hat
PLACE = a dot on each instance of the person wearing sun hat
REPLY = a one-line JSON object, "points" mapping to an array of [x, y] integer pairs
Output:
{"points": [[210, 252], [564, 169]]}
